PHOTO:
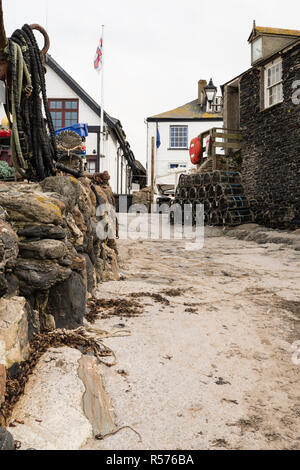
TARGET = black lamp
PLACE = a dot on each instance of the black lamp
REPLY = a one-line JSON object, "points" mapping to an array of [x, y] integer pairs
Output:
{"points": [[211, 92]]}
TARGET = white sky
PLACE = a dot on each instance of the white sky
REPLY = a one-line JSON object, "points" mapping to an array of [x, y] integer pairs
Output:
{"points": [[155, 51]]}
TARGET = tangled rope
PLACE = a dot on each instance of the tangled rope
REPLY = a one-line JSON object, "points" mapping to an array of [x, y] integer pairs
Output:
{"points": [[34, 153]]}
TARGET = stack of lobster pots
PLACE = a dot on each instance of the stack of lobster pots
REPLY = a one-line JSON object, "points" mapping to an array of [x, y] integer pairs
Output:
{"points": [[221, 193]]}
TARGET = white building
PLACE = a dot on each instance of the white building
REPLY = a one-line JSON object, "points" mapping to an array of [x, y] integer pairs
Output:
{"points": [[70, 104], [177, 128]]}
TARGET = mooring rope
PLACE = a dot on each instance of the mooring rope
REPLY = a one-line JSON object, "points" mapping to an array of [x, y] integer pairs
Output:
{"points": [[34, 152]]}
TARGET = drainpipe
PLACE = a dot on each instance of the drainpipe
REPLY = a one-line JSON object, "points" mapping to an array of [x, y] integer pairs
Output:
{"points": [[147, 156], [127, 185], [118, 170], [122, 167], [98, 153]]}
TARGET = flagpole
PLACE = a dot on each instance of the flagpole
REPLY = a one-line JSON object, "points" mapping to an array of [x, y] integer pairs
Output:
{"points": [[102, 104]]}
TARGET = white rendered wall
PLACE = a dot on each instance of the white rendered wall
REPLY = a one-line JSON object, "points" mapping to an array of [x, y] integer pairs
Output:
{"points": [[57, 88], [164, 155]]}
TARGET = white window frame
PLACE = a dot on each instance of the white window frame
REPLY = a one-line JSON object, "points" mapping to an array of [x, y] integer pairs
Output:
{"points": [[277, 84], [91, 163], [187, 138], [179, 166]]}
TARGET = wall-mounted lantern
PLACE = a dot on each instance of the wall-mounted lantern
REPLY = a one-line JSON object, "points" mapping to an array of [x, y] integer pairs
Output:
{"points": [[211, 92]]}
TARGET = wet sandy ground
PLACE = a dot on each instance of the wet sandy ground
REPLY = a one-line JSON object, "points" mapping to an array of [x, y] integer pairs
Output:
{"points": [[213, 369]]}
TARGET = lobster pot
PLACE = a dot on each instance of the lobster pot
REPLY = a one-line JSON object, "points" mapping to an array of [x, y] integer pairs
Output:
{"points": [[214, 205], [233, 202], [238, 217], [199, 180], [218, 191], [193, 193], [216, 217], [182, 179], [231, 177], [183, 192], [221, 193], [229, 189], [207, 206], [207, 179], [226, 177], [201, 193], [210, 191], [178, 191], [217, 177], [188, 182]]}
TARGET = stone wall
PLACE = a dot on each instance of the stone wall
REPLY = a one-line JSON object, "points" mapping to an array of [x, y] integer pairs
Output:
{"points": [[51, 259], [271, 158]]}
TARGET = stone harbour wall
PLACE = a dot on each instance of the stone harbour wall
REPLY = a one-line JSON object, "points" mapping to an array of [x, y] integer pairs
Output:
{"points": [[51, 260], [271, 157]]}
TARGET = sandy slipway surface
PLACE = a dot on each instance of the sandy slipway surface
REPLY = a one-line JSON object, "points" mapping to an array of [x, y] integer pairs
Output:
{"points": [[205, 361], [213, 369]]}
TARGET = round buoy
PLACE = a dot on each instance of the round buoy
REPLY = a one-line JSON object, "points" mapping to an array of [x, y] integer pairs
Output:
{"points": [[195, 151]]}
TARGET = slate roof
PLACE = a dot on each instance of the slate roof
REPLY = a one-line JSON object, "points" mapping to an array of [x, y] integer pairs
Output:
{"points": [[258, 30], [189, 111]]}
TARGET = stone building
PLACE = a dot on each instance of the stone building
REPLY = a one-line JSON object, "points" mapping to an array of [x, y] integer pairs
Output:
{"points": [[264, 103]]}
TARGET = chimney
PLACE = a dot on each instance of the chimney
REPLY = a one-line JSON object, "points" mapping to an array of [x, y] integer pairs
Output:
{"points": [[201, 92]]}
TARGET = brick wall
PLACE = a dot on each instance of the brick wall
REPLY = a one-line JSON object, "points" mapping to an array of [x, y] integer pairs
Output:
{"points": [[271, 157]]}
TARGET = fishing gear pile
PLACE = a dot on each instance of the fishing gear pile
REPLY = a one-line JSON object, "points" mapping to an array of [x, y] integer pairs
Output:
{"points": [[33, 143]]}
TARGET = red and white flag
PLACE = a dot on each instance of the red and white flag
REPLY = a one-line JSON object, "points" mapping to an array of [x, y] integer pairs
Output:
{"points": [[99, 56]]}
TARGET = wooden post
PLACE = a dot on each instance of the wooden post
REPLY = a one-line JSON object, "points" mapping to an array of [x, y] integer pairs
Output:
{"points": [[213, 149], [152, 168]]}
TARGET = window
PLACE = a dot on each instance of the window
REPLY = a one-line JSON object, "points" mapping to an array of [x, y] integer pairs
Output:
{"points": [[179, 137], [91, 166], [177, 166], [64, 112], [273, 83]]}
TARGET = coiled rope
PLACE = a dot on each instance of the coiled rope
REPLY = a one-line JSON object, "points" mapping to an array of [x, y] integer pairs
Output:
{"points": [[34, 152]]}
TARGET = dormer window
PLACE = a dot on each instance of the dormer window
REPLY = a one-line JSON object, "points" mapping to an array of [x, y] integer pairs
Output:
{"points": [[265, 42], [273, 83], [257, 49]]}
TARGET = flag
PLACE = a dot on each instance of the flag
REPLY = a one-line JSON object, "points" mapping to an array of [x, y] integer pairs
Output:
{"points": [[98, 56], [158, 141]]}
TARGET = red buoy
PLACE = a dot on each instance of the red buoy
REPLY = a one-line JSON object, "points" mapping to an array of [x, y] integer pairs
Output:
{"points": [[195, 151]]}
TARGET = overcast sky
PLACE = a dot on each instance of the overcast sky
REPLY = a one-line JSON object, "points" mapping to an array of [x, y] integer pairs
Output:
{"points": [[155, 51]]}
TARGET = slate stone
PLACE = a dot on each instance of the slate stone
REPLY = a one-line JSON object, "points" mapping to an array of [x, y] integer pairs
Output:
{"points": [[2, 382], [2, 371], [90, 271], [14, 329], [66, 262], [66, 186], [43, 249], [6, 440], [67, 302], [3, 285], [39, 275], [9, 249], [30, 207], [43, 231]]}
